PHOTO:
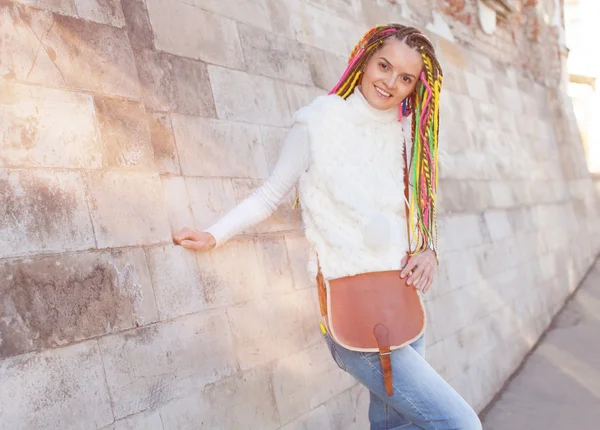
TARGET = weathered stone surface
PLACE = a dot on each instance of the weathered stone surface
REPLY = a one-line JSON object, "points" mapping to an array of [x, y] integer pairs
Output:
{"points": [[312, 25], [142, 421], [498, 225], [264, 330], [281, 220], [173, 83], [101, 11], [297, 381], [125, 133], [147, 367], [53, 301], [87, 56], [255, 13], [45, 127], [232, 274], [163, 143], [315, 419], [300, 96], [43, 211], [249, 98], [45, 390], [177, 280], [272, 255], [138, 23], [177, 202], [219, 148], [210, 199], [272, 141], [250, 392], [186, 30], [274, 56], [461, 231], [64, 7], [326, 68], [142, 220], [298, 249]]}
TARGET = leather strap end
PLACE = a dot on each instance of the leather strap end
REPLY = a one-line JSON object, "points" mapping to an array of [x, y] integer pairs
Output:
{"points": [[383, 342]]}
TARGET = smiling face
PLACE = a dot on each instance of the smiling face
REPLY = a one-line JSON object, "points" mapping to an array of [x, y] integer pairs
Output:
{"points": [[391, 74]]}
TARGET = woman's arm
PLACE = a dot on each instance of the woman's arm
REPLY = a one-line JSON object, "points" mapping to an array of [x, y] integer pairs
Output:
{"points": [[293, 161]]}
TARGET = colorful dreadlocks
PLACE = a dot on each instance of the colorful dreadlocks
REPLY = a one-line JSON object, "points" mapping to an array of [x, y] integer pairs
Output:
{"points": [[423, 104]]}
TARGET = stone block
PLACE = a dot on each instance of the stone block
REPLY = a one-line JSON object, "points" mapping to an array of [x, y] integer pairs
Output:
{"points": [[272, 141], [476, 86], [46, 390], [209, 147], [64, 7], [173, 83], [101, 11], [54, 301], [299, 96], [147, 367], [312, 25], [460, 231], [272, 255], [249, 98], [308, 306], [178, 284], [43, 211], [186, 30], [138, 23], [144, 421], [177, 202], [463, 196], [497, 257], [232, 274], [143, 220], [255, 13], [298, 249], [326, 68], [25, 61], [284, 217], [298, 381], [244, 401], [502, 195], [317, 418], [275, 56], [99, 59], [125, 133], [346, 413], [163, 143], [461, 266], [265, 329], [454, 79], [498, 225], [47, 127], [210, 199]]}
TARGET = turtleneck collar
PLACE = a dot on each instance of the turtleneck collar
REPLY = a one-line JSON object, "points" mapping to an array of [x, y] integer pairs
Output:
{"points": [[360, 104]]}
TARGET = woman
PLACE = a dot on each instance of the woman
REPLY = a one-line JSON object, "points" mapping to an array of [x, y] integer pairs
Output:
{"points": [[346, 153]]}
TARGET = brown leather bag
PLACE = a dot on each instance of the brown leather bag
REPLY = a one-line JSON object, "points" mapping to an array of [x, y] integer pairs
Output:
{"points": [[373, 312]]}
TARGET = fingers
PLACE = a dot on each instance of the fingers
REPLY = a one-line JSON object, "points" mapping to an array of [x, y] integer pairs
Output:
{"points": [[183, 234], [412, 262], [191, 244]]}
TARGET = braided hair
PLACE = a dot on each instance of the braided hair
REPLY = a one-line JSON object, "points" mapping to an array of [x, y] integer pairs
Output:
{"points": [[424, 104]]}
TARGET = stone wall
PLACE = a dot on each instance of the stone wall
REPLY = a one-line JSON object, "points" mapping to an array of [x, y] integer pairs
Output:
{"points": [[122, 122]]}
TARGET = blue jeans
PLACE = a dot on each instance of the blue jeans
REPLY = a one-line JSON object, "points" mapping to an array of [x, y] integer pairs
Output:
{"points": [[422, 398]]}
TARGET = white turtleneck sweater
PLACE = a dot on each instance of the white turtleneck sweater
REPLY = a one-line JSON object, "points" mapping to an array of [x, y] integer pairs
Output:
{"points": [[365, 209]]}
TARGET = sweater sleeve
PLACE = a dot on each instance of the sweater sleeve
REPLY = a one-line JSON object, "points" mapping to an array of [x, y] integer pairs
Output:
{"points": [[294, 159]]}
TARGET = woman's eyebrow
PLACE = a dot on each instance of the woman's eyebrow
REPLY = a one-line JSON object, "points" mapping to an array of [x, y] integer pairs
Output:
{"points": [[391, 65]]}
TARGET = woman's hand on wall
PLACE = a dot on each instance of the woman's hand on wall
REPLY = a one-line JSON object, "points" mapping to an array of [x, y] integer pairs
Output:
{"points": [[420, 270], [194, 239]]}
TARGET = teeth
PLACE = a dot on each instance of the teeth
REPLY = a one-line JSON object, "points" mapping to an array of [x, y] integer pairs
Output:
{"points": [[383, 93]]}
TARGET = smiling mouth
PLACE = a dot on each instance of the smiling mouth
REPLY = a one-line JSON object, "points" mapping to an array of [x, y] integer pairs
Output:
{"points": [[382, 93]]}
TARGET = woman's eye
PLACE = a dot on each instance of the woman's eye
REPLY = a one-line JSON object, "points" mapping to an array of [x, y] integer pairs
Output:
{"points": [[383, 66], [406, 79]]}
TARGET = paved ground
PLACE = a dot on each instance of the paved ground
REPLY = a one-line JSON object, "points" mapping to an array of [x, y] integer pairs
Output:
{"points": [[558, 387]]}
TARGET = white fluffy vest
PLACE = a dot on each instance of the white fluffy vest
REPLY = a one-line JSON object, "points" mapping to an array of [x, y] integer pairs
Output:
{"points": [[352, 195]]}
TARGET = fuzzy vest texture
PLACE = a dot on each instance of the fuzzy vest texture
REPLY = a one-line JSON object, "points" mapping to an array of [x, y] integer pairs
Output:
{"points": [[352, 195]]}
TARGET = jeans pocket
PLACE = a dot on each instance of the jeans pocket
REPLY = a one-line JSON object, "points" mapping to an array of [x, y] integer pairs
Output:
{"points": [[334, 352]]}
